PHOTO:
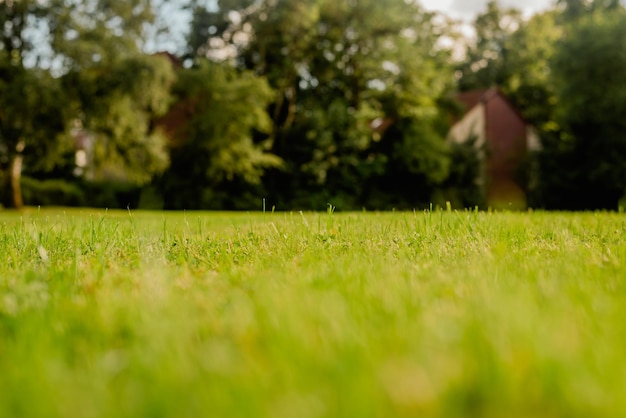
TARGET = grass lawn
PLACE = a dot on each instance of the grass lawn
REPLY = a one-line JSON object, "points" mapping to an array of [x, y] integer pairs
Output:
{"points": [[439, 314]]}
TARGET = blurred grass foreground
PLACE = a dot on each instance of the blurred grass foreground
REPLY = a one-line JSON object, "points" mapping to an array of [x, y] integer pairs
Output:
{"points": [[307, 315]]}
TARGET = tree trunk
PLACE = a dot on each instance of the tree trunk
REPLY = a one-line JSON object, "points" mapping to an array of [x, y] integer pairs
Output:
{"points": [[14, 176]]}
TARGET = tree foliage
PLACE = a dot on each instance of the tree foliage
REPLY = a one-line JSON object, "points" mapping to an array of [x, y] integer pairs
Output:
{"points": [[592, 103], [337, 70], [89, 33], [69, 64], [221, 113], [575, 9], [118, 100], [117, 88], [529, 67], [487, 57], [31, 120]]}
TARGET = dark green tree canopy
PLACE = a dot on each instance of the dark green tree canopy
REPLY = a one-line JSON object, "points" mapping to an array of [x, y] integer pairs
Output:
{"points": [[336, 68], [592, 103]]}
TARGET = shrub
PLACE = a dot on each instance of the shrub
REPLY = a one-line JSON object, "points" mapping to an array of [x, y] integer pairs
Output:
{"points": [[54, 192]]}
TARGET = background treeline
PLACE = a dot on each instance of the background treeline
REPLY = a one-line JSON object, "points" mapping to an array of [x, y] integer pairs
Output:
{"points": [[300, 103]]}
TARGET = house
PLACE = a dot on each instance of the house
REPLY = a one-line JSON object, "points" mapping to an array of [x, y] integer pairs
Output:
{"points": [[503, 137]]}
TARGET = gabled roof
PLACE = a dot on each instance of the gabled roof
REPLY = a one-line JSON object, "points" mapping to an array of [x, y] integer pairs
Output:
{"points": [[469, 99]]}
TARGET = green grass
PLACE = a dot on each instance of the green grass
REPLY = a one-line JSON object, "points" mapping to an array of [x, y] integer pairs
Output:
{"points": [[439, 314]]}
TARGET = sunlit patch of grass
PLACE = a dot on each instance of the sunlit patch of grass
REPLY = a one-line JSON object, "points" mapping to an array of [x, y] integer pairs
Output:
{"points": [[435, 314]]}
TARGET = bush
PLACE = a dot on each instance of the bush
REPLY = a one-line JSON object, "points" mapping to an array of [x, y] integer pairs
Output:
{"points": [[53, 192], [112, 195], [464, 186], [57, 192]]}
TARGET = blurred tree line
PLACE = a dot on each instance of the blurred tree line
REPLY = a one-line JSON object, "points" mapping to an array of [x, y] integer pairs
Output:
{"points": [[300, 103]]}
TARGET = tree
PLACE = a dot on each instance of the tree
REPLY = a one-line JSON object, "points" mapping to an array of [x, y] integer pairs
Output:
{"points": [[338, 69], [31, 120], [89, 33], [79, 63], [271, 38], [384, 75], [589, 72], [218, 116], [118, 102], [573, 10], [485, 63], [117, 87], [528, 67]]}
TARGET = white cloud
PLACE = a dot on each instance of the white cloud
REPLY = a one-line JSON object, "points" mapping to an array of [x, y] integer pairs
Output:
{"points": [[467, 9]]}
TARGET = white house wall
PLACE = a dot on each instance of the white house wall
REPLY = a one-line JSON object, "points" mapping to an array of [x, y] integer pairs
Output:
{"points": [[472, 125]]}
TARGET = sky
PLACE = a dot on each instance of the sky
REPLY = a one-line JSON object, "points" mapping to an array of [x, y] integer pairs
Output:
{"points": [[467, 9]]}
